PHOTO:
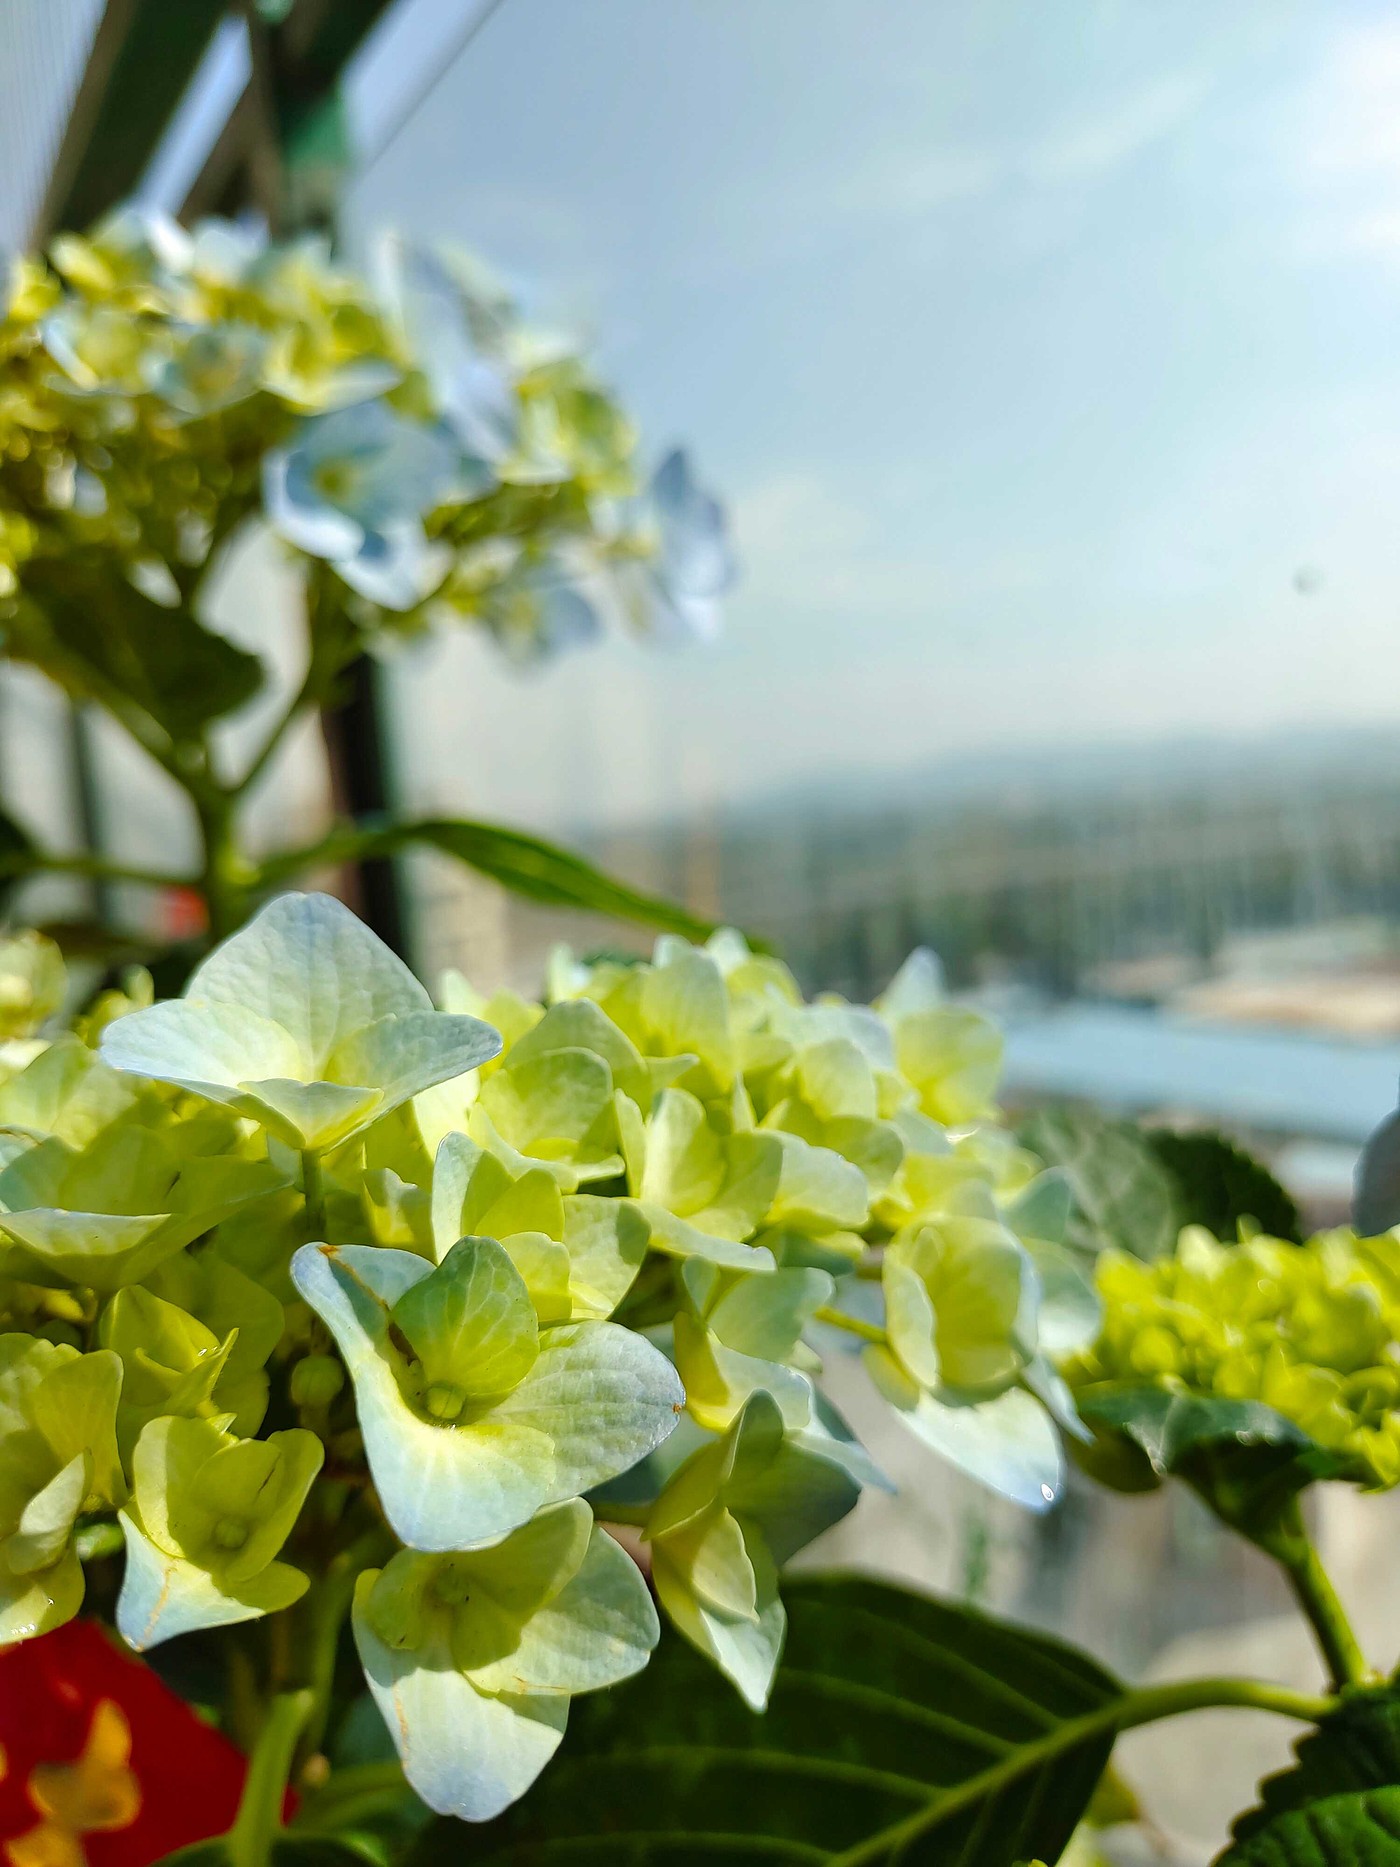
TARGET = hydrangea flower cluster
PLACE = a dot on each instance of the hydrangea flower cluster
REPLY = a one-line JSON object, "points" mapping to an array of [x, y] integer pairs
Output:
{"points": [[159, 388], [1311, 1331], [316, 1297]]}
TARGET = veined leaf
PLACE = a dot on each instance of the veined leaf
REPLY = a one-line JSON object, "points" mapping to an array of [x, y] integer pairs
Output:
{"points": [[95, 634], [1360, 1829], [1357, 1748], [1123, 1195], [884, 1703], [1218, 1184]]}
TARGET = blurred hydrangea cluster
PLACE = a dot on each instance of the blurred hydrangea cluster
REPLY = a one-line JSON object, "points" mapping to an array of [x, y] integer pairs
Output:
{"points": [[159, 387], [1311, 1331], [308, 1284]]}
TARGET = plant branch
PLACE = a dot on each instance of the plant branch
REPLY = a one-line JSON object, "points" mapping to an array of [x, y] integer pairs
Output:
{"points": [[1145, 1706], [96, 867], [259, 1818], [855, 1325], [1318, 1599], [314, 1194]]}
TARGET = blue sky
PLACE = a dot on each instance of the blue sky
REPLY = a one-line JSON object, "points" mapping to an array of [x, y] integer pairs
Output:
{"points": [[1036, 349]]}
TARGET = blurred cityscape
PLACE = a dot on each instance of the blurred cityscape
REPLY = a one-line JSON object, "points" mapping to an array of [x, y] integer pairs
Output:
{"points": [[1198, 931]]}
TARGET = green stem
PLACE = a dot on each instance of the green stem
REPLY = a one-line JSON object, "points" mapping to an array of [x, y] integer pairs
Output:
{"points": [[856, 1325], [220, 879], [314, 1193], [259, 1818], [1318, 1599], [328, 1605], [1144, 1706], [96, 867]]}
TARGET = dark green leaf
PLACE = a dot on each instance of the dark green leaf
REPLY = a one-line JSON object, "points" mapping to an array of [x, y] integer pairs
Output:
{"points": [[527, 865], [1357, 1748], [884, 1701], [1218, 1184], [1247, 1461], [1123, 1195], [97, 637], [542, 872], [1361, 1829], [1171, 1428]]}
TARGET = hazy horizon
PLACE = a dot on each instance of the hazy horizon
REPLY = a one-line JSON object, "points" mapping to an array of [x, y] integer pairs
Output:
{"points": [[1051, 375]]}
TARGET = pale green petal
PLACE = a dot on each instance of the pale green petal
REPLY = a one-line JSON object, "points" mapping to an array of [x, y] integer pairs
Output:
{"points": [[598, 1630], [953, 1059], [765, 1316], [834, 1079], [818, 1189], [597, 1400], [551, 1106], [606, 1240], [745, 1651], [39, 1602], [679, 1240], [718, 1380], [544, 1264], [163, 1595], [579, 1024], [1008, 1444], [75, 1408], [470, 1323], [48, 1518], [308, 1115], [66, 1092], [917, 986], [466, 1754], [411, 1051], [684, 1168], [602, 1396], [686, 1007], [212, 1049], [308, 965]]}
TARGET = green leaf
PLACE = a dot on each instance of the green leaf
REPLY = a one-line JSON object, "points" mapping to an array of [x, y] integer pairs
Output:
{"points": [[1123, 1194], [98, 636], [527, 865], [1218, 1184], [1357, 1748], [884, 1699], [1245, 1459], [1361, 1829]]}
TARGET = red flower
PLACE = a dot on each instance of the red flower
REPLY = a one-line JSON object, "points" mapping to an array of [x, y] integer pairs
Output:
{"points": [[101, 1765]]}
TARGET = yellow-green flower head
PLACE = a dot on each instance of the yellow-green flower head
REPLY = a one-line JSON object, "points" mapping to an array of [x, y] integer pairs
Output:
{"points": [[1312, 1331], [509, 1266], [161, 389]]}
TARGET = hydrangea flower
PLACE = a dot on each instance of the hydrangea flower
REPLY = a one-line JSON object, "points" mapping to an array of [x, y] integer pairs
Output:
{"points": [[305, 1022], [303, 1277], [473, 1658], [1310, 1331], [354, 487]]}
